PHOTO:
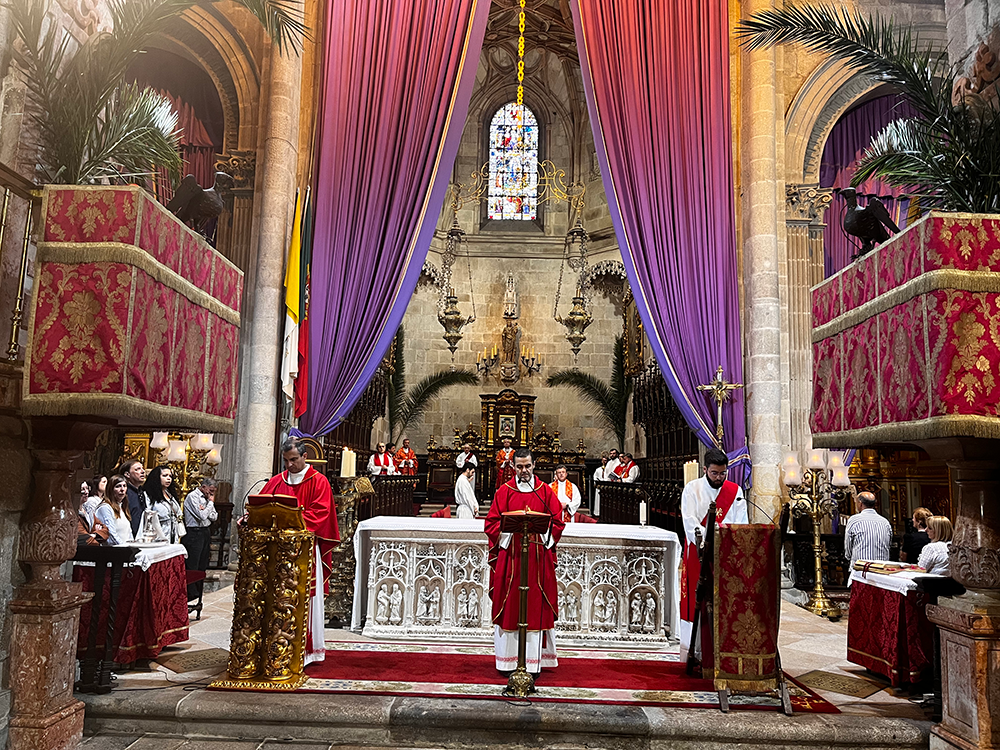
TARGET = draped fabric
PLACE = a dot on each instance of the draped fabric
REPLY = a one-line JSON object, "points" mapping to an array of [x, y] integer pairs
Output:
{"points": [[656, 77], [398, 78], [197, 149], [848, 140]]}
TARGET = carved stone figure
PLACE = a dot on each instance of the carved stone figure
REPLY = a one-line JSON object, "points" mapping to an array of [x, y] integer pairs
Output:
{"points": [[636, 619], [649, 614], [562, 605], [611, 612], [463, 606], [423, 604], [382, 612], [396, 605], [474, 607], [572, 613], [435, 604], [598, 608]]}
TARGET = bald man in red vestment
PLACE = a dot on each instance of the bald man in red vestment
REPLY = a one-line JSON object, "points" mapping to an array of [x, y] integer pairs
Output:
{"points": [[524, 491], [312, 490]]}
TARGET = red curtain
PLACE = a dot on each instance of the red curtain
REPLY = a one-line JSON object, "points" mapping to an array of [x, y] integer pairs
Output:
{"points": [[197, 150]]}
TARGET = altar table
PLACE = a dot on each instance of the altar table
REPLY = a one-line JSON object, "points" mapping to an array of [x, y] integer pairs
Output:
{"points": [[429, 577], [887, 629], [151, 605]]}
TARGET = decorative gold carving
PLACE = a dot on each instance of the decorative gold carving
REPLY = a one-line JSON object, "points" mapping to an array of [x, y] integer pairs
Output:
{"points": [[285, 651], [248, 609], [807, 203], [340, 600]]}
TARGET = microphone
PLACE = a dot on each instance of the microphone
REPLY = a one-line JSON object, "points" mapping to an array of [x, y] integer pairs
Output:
{"points": [[254, 485]]}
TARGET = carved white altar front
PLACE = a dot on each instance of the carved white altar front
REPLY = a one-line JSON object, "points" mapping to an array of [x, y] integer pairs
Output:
{"points": [[428, 577]]}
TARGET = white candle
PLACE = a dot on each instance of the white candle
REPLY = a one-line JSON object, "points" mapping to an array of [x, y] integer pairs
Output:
{"points": [[642, 512], [343, 462], [690, 471]]}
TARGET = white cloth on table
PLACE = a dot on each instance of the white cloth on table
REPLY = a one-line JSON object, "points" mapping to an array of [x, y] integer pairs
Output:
{"points": [[465, 497], [119, 529], [934, 558], [540, 649], [901, 582]]}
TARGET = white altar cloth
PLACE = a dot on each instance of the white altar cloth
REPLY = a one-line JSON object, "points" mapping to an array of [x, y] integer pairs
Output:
{"points": [[447, 558], [901, 582]]}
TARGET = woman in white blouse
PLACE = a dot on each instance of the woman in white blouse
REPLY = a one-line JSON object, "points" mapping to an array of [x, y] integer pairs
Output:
{"points": [[934, 556], [113, 511]]}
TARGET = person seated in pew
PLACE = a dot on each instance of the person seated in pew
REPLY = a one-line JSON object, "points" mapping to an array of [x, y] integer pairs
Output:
{"points": [[934, 557]]}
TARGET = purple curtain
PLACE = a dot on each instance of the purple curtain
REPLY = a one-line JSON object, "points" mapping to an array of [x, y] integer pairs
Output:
{"points": [[663, 142], [848, 140], [398, 79]]}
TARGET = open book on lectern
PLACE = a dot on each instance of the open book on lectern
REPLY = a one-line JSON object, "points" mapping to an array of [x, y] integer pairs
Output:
{"points": [[275, 511], [514, 521]]}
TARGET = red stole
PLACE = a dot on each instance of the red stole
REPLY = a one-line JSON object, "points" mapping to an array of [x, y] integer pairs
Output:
{"points": [[383, 465], [622, 470], [691, 563]]}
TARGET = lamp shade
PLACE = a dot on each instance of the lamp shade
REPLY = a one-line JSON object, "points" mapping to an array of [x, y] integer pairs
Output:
{"points": [[792, 475], [214, 456], [836, 460], [203, 441], [791, 459], [177, 452], [816, 459], [159, 441], [840, 477]]}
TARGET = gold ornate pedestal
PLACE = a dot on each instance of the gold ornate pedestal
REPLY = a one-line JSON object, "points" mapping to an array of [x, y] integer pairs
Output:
{"points": [[270, 612]]}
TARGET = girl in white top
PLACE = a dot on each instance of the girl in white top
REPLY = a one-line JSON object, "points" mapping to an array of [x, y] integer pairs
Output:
{"points": [[113, 512], [157, 487], [934, 556]]}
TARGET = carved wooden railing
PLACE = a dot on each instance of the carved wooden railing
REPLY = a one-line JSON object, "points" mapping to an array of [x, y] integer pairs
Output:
{"points": [[393, 497], [620, 503]]}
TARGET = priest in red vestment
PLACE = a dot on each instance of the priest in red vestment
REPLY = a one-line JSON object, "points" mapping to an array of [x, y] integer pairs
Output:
{"points": [[524, 491], [312, 490], [505, 463], [730, 508], [406, 459]]}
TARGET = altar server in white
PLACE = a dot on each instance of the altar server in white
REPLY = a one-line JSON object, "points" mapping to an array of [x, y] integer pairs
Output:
{"points": [[567, 492], [381, 464], [465, 493], [466, 457], [599, 477], [731, 507]]}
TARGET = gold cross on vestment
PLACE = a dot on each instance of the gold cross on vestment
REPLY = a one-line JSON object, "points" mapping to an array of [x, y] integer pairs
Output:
{"points": [[719, 390]]}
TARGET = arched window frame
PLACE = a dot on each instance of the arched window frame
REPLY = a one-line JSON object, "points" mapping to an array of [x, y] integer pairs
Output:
{"points": [[512, 225]]}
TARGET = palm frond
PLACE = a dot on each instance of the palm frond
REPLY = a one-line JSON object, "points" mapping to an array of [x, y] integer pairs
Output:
{"points": [[871, 44], [420, 396], [283, 20]]}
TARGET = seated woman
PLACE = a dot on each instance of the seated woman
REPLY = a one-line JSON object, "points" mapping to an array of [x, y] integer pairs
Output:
{"points": [[915, 541], [934, 557], [113, 512]]}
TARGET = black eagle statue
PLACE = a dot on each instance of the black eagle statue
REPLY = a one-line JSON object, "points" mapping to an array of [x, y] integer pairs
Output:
{"points": [[870, 224], [196, 206]]}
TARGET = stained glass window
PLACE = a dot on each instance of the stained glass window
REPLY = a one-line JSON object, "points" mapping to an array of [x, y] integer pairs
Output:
{"points": [[513, 192]]}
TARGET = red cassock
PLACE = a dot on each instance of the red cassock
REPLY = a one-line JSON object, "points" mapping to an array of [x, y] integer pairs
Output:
{"points": [[505, 564], [406, 461], [318, 510], [505, 467]]}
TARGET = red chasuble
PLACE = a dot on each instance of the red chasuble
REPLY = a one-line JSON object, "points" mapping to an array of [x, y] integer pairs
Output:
{"points": [[505, 564], [318, 510], [691, 563], [403, 455], [505, 466]]}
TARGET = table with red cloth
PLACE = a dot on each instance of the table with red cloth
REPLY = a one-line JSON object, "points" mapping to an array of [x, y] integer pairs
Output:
{"points": [[888, 631], [152, 610]]}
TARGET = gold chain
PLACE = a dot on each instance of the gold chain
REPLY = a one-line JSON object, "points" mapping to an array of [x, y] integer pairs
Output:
{"points": [[520, 56]]}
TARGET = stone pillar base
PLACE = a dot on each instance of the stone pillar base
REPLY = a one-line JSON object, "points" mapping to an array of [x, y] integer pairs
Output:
{"points": [[59, 731], [970, 642]]}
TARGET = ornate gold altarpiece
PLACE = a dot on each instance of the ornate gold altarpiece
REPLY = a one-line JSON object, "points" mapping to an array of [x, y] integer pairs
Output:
{"points": [[271, 608]]}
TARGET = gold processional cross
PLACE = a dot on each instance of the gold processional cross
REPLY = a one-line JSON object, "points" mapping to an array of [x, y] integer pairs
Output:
{"points": [[720, 391]]}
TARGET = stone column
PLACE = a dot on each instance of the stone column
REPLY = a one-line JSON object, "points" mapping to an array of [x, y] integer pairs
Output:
{"points": [[45, 611], [805, 206], [970, 624], [760, 261], [258, 411]]}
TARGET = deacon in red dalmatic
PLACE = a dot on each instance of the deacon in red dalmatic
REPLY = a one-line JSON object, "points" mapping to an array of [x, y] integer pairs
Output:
{"points": [[524, 491]]}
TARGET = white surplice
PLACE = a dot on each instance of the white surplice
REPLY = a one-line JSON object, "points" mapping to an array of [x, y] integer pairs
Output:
{"points": [[465, 497]]}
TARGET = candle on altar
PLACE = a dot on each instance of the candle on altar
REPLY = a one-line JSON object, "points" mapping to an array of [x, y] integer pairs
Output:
{"points": [[642, 512], [347, 465], [690, 471]]}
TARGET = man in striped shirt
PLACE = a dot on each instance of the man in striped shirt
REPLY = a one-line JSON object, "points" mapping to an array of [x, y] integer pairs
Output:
{"points": [[867, 535]]}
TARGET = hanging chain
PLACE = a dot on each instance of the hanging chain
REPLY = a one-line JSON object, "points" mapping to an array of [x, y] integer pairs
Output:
{"points": [[472, 291], [520, 59]]}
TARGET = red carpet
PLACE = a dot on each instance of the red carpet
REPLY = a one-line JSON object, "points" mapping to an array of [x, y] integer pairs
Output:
{"points": [[648, 682]]}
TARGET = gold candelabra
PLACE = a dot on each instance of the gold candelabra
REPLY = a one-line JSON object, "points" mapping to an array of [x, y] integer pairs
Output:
{"points": [[191, 457], [815, 492]]}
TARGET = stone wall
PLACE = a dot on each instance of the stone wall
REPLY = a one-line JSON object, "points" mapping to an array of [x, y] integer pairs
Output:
{"points": [[971, 22]]}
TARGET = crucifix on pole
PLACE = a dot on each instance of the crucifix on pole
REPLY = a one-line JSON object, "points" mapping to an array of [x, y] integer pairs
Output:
{"points": [[720, 391]]}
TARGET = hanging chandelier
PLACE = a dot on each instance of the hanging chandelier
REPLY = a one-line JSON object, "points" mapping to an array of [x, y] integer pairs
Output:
{"points": [[579, 317], [449, 316]]}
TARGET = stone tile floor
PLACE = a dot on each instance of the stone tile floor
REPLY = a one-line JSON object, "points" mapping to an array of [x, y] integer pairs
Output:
{"points": [[807, 642]]}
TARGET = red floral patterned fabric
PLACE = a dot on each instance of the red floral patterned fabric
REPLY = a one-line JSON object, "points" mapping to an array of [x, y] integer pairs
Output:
{"points": [[151, 611], [911, 344], [118, 311], [889, 633]]}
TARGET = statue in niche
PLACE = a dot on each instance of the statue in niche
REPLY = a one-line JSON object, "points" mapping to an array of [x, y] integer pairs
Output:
{"points": [[572, 615], [598, 608], [473, 607], [423, 603], [435, 604], [611, 612], [636, 619], [562, 605], [649, 614], [395, 605], [463, 606], [508, 341], [382, 611]]}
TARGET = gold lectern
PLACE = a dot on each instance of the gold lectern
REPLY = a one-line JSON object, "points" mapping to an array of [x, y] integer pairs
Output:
{"points": [[271, 608]]}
